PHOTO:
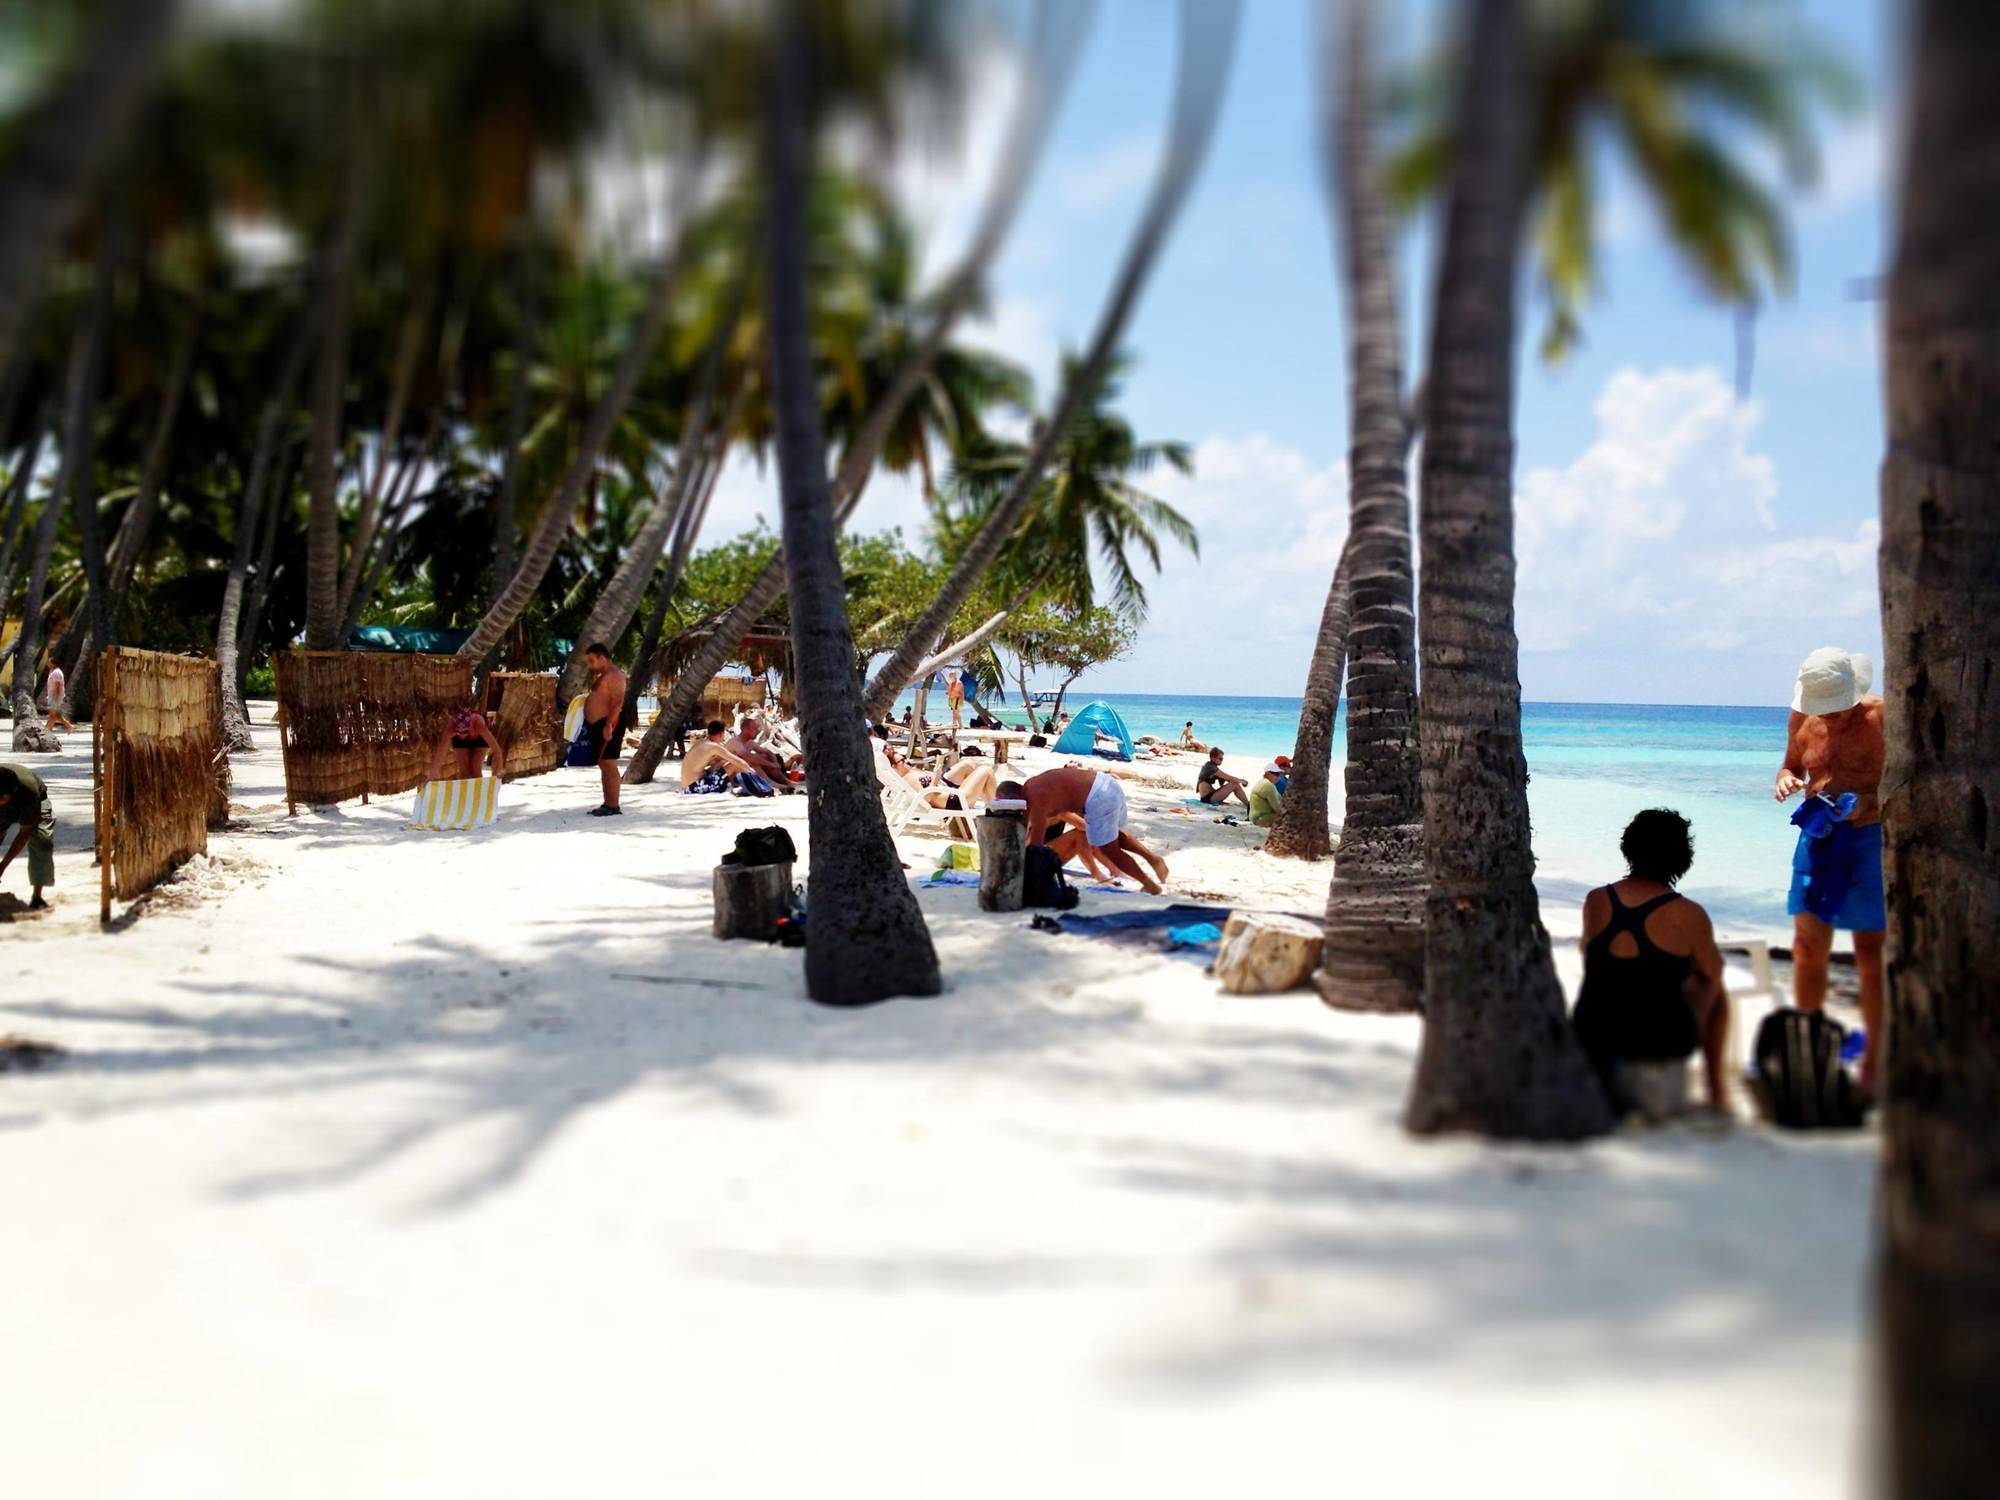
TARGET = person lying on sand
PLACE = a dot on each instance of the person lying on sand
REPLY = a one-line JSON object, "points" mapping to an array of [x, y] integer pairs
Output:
{"points": [[466, 742], [709, 751], [1098, 801], [1216, 786], [24, 799], [1652, 976]]}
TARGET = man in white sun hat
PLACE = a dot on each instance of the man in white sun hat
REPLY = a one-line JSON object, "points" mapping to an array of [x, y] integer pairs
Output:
{"points": [[1833, 754]]}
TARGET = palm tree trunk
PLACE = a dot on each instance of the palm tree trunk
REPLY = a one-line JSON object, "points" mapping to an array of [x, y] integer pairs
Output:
{"points": [[249, 515], [18, 484], [559, 510], [645, 665], [383, 555], [506, 496], [323, 599], [1300, 830], [408, 347], [611, 616], [1498, 1057], [1208, 36], [1373, 958], [79, 407], [866, 939], [1060, 27], [276, 505], [1939, 1273], [66, 136], [83, 478], [976, 637]]}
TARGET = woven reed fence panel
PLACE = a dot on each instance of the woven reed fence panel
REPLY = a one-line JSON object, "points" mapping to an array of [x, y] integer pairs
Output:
{"points": [[358, 723], [521, 706], [165, 773]]}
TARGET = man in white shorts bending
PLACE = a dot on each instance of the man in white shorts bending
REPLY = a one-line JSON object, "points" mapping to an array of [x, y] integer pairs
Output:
{"points": [[1076, 797]]}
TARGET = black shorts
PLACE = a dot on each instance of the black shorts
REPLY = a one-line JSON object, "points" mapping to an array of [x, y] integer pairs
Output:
{"points": [[602, 748]]}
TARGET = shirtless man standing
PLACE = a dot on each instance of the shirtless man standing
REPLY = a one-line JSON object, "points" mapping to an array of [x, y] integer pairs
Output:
{"points": [[1832, 746], [603, 714], [1095, 802]]}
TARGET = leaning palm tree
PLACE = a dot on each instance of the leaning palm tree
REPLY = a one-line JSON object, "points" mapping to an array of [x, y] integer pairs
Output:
{"points": [[1208, 39], [1497, 1056], [867, 940], [1940, 1192], [1087, 508], [1300, 830]]}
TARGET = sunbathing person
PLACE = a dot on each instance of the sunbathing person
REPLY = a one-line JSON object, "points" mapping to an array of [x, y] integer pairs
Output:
{"points": [[1652, 977], [762, 758], [710, 751], [467, 743], [1216, 786], [1071, 794]]}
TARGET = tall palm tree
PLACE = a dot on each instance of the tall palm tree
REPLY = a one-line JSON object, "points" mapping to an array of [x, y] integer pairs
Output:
{"points": [[1372, 956], [1939, 1286], [867, 940], [1208, 39], [1059, 32], [1497, 1056]]}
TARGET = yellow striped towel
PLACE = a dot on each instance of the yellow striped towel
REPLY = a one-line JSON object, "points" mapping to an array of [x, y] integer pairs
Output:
{"points": [[470, 803], [573, 718]]}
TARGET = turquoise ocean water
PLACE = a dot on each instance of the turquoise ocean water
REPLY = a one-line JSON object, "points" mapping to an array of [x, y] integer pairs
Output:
{"points": [[1590, 767]]}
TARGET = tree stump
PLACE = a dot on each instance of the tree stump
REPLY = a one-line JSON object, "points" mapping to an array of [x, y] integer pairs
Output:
{"points": [[1003, 859], [1263, 953], [749, 899]]}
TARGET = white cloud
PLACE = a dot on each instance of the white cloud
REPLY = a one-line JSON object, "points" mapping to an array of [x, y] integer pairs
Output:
{"points": [[1658, 541], [1108, 174]]}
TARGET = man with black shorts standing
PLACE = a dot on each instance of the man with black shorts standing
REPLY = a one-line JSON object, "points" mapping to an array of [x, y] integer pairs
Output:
{"points": [[603, 722]]}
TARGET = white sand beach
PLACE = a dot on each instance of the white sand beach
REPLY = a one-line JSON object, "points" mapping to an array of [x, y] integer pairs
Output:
{"points": [[391, 1163]]}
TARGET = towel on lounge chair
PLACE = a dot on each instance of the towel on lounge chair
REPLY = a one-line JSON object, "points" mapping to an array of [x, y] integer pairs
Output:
{"points": [[469, 803]]}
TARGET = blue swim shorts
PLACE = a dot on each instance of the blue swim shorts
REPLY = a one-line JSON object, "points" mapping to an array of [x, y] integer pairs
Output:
{"points": [[1839, 878]]}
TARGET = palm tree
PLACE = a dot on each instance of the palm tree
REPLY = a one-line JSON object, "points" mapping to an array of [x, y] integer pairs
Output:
{"points": [[867, 937], [1059, 34], [1085, 506], [1300, 829], [1498, 1056], [1208, 37], [1939, 1275]]}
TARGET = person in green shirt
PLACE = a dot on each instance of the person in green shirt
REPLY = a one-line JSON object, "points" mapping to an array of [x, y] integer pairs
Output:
{"points": [[24, 799], [1265, 796]]}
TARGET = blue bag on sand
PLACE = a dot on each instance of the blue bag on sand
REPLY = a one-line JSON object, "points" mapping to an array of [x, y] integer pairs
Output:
{"points": [[750, 784]]}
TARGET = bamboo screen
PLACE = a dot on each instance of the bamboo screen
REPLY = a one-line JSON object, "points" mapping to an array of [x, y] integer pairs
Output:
{"points": [[356, 723], [521, 706], [163, 774]]}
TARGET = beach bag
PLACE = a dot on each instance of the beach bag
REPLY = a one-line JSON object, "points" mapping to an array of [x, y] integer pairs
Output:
{"points": [[750, 784], [763, 846], [1043, 882], [1799, 1072]]}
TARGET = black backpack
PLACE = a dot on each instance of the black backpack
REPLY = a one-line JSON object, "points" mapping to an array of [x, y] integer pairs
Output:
{"points": [[1804, 1085], [1042, 880], [763, 846]]}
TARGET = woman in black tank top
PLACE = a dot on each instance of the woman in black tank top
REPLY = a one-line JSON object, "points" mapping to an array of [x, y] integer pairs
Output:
{"points": [[1639, 1002]]}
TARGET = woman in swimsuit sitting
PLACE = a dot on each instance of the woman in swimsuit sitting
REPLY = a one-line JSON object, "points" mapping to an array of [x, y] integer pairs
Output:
{"points": [[467, 739], [1652, 977]]}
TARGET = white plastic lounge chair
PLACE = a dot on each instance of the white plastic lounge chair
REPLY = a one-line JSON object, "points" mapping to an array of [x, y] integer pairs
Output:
{"points": [[906, 807]]}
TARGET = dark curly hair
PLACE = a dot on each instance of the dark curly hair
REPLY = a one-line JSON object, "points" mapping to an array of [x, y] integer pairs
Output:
{"points": [[1658, 844]]}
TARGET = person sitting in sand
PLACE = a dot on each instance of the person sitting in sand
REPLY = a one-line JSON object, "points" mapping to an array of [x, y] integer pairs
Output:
{"points": [[1088, 799], [55, 698], [1216, 786], [765, 761], [1267, 796], [1652, 976], [710, 753], [467, 743], [24, 800]]}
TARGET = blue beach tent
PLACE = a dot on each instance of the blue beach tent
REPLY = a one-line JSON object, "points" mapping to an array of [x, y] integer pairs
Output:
{"points": [[1092, 720]]}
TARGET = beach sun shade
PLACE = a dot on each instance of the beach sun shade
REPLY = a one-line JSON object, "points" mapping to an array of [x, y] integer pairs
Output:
{"points": [[1092, 720]]}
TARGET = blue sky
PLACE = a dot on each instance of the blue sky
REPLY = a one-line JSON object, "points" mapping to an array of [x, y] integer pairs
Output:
{"points": [[1676, 544]]}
